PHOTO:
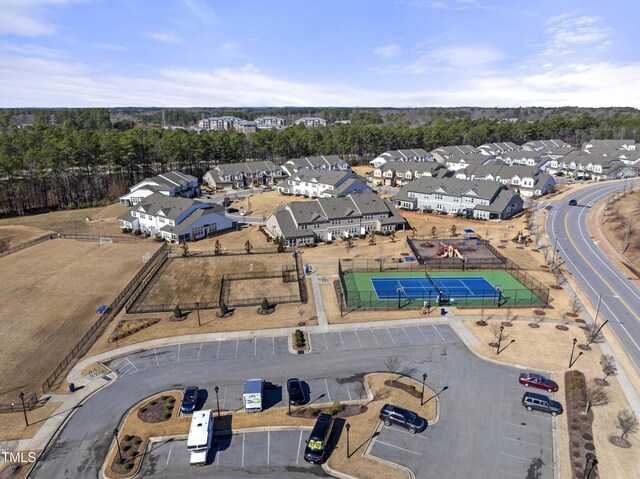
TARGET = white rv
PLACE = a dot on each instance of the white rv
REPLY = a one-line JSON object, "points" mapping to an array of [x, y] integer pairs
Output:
{"points": [[200, 436]]}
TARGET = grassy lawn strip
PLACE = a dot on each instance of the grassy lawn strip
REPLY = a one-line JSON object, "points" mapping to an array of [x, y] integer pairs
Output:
{"points": [[363, 426]]}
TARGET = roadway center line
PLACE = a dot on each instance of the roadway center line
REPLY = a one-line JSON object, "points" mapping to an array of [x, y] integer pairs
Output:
{"points": [[398, 447], [527, 443]]}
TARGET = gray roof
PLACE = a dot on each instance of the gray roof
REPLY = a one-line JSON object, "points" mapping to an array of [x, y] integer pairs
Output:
{"points": [[171, 206], [500, 203], [451, 186], [370, 203], [522, 154], [470, 158], [455, 150], [325, 177], [504, 146], [546, 144], [287, 226], [614, 144], [404, 155], [419, 166], [247, 167], [192, 218], [359, 184], [170, 179], [314, 162]]}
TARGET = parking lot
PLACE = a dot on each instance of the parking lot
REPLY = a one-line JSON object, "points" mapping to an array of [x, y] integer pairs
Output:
{"points": [[256, 453], [396, 444]]}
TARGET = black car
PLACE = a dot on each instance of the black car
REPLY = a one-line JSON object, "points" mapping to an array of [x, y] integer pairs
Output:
{"points": [[295, 392], [573, 203], [316, 449], [232, 210], [189, 399], [390, 414]]}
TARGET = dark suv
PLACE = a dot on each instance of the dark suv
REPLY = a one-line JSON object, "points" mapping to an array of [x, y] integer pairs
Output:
{"points": [[540, 402], [573, 202], [390, 414], [317, 444]]}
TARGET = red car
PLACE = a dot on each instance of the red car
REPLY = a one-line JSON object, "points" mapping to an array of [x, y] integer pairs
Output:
{"points": [[537, 381]]}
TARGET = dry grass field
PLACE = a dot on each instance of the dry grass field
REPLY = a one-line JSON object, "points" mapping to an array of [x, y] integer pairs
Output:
{"points": [[187, 280], [49, 298], [264, 204], [622, 214], [15, 235]]}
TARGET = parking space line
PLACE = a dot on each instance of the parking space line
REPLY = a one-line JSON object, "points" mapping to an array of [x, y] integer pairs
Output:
{"points": [[224, 396], [358, 339], [237, 343], [528, 414], [423, 335], [273, 339], [255, 347], [398, 447], [199, 351], [341, 340], [434, 327], [169, 455], [218, 351], [268, 445], [156, 355], [516, 398], [510, 474], [348, 392], [421, 436], [527, 443], [243, 436], [178, 352], [389, 333], [516, 457], [132, 365], [115, 365], [374, 338], [525, 425], [218, 456], [326, 384], [326, 345], [408, 337], [299, 444]]}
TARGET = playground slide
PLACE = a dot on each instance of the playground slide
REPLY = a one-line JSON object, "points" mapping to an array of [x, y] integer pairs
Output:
{"points": [[445, 254], [457, 253]]}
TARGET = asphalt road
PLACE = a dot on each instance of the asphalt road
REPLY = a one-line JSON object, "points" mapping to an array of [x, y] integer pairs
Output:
{"points": [[483, 430], [601, 281]]}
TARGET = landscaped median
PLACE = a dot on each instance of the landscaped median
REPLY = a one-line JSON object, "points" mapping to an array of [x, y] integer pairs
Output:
{"points": [[135, 432]]}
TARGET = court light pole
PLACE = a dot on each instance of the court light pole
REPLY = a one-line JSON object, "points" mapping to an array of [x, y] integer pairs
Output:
{"points": [[24, 409], [424, 378], [347, 427], [198, 311], [499, 339], [399, 291], [216, 389]]}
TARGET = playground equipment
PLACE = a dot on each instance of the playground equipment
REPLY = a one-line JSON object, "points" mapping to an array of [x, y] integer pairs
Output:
{"points": [[449, 251]]}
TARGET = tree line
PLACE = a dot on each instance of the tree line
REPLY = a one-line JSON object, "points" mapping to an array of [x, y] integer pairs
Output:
{"points": [[78, 161]]}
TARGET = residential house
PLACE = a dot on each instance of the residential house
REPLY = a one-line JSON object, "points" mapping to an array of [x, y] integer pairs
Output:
{"points": [[477, 199], [412, 154], [172, 183], [323, 184], [327, 219], [626, 145], [328, 162], [240, 175], [494, 149], [247, 126], [542, 145], [312, 122], [270, 122], [526, 180], [175, 219], [443, 153], [459, 161], [220, 123], [398, 173]]}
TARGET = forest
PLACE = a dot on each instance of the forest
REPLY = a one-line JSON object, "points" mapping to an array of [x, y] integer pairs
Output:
{"points": [[84, 157]]}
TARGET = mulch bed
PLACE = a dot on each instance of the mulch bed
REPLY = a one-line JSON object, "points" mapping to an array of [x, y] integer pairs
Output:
{"points": [[562, 327], [177, 319], [482, 323], [157, 410], [616, 441], [507, 324], [555, 286], [539, 312], [346, 410], [409, 389], [534, 325], [580, 424], [265, 312], [127, 327], [228, 314], [7, 473], [130, 448]]}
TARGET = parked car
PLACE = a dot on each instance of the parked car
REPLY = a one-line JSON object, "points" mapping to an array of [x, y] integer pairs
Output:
{"points": [[189, 399], [573, 202], [537, 381], [295, 392], [232, 210], [266, 188], [316, 449], [245, 213], [540, 402], [390, 414]]}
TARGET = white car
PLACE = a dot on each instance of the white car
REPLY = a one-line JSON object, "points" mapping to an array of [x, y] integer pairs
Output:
{"points": [[245, 213]]}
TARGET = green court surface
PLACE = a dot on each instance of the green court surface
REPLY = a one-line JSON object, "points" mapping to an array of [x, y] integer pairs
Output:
{"points": [[360, 291]]}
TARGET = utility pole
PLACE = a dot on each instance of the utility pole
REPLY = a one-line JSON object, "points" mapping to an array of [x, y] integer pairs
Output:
{"points": [[625, 245]]}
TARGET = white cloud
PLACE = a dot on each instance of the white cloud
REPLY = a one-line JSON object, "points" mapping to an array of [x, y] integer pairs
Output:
{"points": [[568, 32], [444, 4], [163, 37], [27, 17], [202, 11], [451, 58], [388, 51], [75, 84]]}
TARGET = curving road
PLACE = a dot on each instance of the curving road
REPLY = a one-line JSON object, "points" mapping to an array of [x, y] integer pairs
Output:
{"points": [[601, 281]]}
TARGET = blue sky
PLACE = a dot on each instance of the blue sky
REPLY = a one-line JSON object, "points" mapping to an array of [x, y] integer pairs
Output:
{"points": [[402, 53]]}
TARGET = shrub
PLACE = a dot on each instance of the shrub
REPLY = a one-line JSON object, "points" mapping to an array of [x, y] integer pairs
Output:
{"points": [[166, 415], [265, 304], [125, 448], [119, 461], [128, 466], [153, 403], [223, 308], [329, 242], [177, 312], [128, 437], [138, 441], [158, 239], [137, 232], [143, 410]]}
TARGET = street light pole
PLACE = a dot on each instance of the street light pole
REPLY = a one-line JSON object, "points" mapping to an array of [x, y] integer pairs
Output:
{"points": [[555, 245], [348, 426], [399, 290], [198, 311], [595, 335], [24, 409], [572, 349], [424, 378], [216, 389], [115, 434], [499, 339]]}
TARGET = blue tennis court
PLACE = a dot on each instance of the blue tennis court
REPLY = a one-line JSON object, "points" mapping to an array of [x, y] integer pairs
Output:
{"points": [[420, 288]]}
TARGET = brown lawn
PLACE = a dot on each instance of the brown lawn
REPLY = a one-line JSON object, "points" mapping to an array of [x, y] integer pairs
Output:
{"points": [[50, 295]]}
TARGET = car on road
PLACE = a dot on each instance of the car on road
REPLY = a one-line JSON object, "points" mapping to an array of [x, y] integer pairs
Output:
{"points": [[232, 210], [189, 399], [540, 402], [391, 414], [266, 188], [573, 202], [295, 392], [245, 213], [537, 381], [317, 443]]}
